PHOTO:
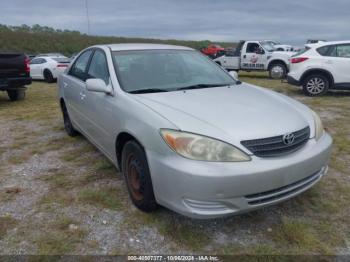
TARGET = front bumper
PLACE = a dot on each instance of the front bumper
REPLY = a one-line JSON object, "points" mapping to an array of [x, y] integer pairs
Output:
{"points": [[207, 189]]}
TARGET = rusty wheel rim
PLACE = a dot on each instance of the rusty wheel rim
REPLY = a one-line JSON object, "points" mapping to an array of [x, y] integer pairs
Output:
{"points": [[133, 174]]}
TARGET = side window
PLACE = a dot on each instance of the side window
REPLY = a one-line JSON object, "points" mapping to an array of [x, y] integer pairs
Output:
{"points": [[37, 61], [324, 50], [34, 61], [252, 47], [79, 68], [98, 67], [343, 51]]}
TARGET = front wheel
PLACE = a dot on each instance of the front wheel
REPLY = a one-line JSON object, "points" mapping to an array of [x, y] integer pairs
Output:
{"points": [[278, 71], [315, 85], [16, 95], [137, 176]]}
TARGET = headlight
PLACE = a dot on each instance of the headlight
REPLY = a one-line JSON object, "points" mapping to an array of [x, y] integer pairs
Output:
{"points": [[318, 126], [202, 148]]}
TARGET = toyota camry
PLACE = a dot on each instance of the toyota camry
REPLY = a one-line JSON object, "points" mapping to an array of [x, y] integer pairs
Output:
{"points": [[188, 135]]}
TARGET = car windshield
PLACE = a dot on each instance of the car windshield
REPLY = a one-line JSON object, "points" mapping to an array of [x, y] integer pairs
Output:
{"points": [[267, 46], [167, 70]]}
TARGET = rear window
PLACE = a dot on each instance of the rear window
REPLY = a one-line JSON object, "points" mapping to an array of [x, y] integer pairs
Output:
{"points": [[302, 51]]}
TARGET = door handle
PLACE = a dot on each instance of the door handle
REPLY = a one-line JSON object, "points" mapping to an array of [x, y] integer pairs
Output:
{"points": [[65, 84], [82, 95], [329, 62], [244, 56]]}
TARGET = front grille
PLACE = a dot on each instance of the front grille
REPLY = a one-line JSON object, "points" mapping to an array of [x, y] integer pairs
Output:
{"points": [[274, 146], [278, 193]]}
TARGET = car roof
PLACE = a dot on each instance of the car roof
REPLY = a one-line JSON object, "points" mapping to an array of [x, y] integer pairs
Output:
{"points": [[316, 45], [126, 47]]}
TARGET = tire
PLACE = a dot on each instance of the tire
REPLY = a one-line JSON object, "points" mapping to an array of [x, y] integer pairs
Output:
{"points": [[277, 71], [315, 85], [68, 126], [137, 176], [48, 77], [16, 95]]}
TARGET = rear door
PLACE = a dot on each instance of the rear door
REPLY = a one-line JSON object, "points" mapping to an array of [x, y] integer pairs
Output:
{"points": [[73, 85], [340, 63]]}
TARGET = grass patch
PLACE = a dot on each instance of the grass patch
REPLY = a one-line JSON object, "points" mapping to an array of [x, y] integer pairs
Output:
{"points": [[103, 197], [297, 236], [60, 238], [6, 223]]}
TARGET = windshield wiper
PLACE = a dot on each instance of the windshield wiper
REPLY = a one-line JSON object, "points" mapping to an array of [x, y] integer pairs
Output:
{"points": [[148, 90], [201, 86]]}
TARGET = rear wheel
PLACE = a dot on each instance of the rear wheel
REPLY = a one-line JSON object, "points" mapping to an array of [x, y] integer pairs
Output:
{"points": [[68, 126], [278, 71], [16, 95], [48, 76], [137, 176], [315, 85]]}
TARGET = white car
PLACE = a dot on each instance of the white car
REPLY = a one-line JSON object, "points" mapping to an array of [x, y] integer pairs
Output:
{"points": [[48, 68], [320, 67], [280, 47]]}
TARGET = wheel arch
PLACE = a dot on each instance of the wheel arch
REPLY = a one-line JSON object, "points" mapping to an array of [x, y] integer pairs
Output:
{"points": [[277, 61], [321, 71], [120, 141]]}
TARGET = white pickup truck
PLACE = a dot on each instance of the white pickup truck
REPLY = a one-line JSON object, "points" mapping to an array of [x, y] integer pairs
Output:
{"points": [[256, 56]]}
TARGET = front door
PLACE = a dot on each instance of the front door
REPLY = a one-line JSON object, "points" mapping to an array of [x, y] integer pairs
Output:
{"points": [[74, 88], [99, 107], [254, 57]]}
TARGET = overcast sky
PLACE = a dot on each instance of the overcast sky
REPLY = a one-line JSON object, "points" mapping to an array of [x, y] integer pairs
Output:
{"points": [[291, 21]]}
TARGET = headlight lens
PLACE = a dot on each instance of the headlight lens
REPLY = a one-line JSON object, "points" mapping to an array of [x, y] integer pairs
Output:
{"points": [[318, 126], [202, 148]]}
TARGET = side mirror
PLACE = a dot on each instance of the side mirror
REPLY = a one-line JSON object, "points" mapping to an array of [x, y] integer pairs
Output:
{"points": [[98, 85], [260, 51], [234, 75]]}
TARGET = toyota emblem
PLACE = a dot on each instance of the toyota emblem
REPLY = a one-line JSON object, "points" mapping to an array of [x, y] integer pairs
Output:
{"points": [[288, 139]]}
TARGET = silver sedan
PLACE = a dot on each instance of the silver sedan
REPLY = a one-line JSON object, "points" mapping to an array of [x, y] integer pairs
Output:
{"points": [[189, 136]]}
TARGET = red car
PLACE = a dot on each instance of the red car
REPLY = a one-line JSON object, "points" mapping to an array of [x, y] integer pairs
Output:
{"points": [[212, 50]]}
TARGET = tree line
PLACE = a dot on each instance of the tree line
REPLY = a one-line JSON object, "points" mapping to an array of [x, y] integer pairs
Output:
{"points": [[43, 39]]}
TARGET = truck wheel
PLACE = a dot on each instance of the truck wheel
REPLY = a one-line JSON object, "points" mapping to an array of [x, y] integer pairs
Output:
{"points": [[68, 126], [278, 71], [16, 95], [315, 85], [138, 179], [48, 76]]}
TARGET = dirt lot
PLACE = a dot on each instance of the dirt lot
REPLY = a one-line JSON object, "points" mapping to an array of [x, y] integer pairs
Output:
{"points": [[59, 195]]}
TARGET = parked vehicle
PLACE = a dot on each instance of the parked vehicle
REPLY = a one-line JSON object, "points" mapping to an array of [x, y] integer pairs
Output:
{"points": [[256, 56], [213, 50], [314, 41], [189, 136], [14, 74], [280, 47], [321, 67], [48, 68]]}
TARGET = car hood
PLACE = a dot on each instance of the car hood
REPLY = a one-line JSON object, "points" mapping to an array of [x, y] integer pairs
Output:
{"points": [[233, 114]]}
